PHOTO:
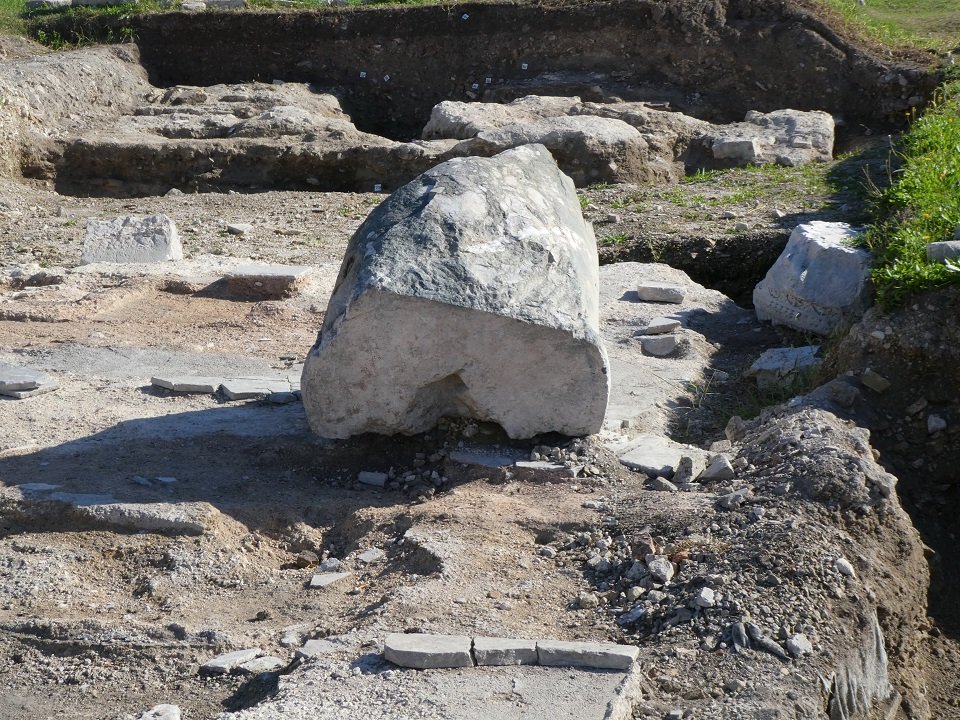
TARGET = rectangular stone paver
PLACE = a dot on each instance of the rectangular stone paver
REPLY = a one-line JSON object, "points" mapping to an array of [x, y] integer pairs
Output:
{"points": [[418, 650], [222, 664], [504, 651], [266, 282], [19, 382], [652, 291], [326, 579], [600, 656], [187, 383], [249, 388]]}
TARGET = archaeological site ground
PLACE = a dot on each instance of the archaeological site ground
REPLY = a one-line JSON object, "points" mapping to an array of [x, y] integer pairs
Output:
{"points": [[483, 360]]}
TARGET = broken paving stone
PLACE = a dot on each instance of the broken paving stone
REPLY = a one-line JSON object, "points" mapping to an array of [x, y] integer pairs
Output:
{"points": [[162, 712], [131, 239], [265, 282], [265, 664], [373, 555], [661, 325], [250, 388], [187, 383], [543, 470], [422, 651], [316, 647], [655, 456], [875, 381], [504, 651], [601, 656], [780, 367], [653, 291], [718, 469], [326, 579], [376, 479], [226, 663], [659, 345]]}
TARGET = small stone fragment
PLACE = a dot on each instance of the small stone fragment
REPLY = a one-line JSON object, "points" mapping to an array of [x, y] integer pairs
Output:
{"points": [[664, 485], [162, 712], [659, 345], [653, 291], [844, 567], [718, 469], [661, 325], [875, 381], [705, 598], [587, 601], [376, 479], [799, 645], [264, 664], [660, 568], [373, 555], [935, 424], [239, 228]]}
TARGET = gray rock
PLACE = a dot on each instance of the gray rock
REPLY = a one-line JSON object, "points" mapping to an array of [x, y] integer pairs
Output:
{"points": [[482, 458], [655, 456], [785, 137], [316, 647], [799, 645], [820, 283], [131, 239], [743, 151], [504, 651], [47, 5], [733, 500], [329, 565], [461, 120], [780, 368], [705, 598], [659, 483], [422, 651], [326, 579], [653, 291], [472, 291], [658, 345], [162, 712], [844, 567], [19, 383], [935, 424], [376, 479], [264, 664], [683, 473], [875, 381], [228, 662], [718, 469], [373, 555], [185, 518], [239, 228], [187, 383], [938, 252], [660, 567], [601, 656], [661, 325]]}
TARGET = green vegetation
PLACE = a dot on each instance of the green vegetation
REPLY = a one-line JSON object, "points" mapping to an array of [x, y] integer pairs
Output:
{"points": [[922, 204], [11, 22], [931, 24]]}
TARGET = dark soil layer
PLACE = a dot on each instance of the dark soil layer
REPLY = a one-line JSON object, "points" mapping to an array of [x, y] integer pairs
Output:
{"points": [[391, 65]]}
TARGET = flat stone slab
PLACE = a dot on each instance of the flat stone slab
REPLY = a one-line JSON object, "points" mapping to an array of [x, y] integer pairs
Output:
{"points": [[504, 651], [131, 239], [422, 651], [659, 345], [482, 458], [375, 479], [600, 656], [179, 518], [661, 325], [658, 456], [268, 663], [226, 663], [777, 367], [654, 291], [17, 379], [316, 647], [188, 383], [326, 579], [266, 282], [22, 394], [250, 388]]}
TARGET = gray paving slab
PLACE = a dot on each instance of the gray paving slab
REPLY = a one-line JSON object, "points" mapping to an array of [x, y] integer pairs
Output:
{"points": [[250, 388], [599, 656], [423, 651], [227, 662], [187, 383], [326, 579], [504, 651]]}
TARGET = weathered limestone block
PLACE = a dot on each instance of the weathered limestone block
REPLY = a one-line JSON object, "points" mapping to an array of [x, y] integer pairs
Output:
{"points": [[820, 283], [472, 291], [131, 239], [463, 120]]}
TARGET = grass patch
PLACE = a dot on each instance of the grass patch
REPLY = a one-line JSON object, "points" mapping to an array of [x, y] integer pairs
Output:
{"points": [[11, 17], [928, 24], [922, 204]]}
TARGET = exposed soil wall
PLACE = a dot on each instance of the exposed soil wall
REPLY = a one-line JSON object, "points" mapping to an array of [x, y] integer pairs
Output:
{"points": [[391, 65]]}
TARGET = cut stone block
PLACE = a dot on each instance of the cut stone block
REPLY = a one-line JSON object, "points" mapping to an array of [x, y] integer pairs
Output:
{"points": [[316, 647], [661, 326], [718, 469], [472, 291], [658, 345], [19, 382], [422, 651], [179, 518], [326, 579], [187, 383], [226, 663], [602, 656], [248, 388], [266, 282], [820, 283], [653, 291], [941, 251], [268, 663], [483, 458], [131, 239], [742, 150], [875, 381], [377, 479], [504, 651], [781, 367]]}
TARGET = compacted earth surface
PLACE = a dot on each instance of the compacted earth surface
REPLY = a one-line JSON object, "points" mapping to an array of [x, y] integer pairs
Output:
{"points": [[144, 531]]}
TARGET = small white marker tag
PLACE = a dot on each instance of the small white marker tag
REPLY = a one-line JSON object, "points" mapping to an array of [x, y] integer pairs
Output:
{"points": [[465, 16], [475, 86], [487, 81], [524, 66], [362, 74], [378, 187], [386, 78]]}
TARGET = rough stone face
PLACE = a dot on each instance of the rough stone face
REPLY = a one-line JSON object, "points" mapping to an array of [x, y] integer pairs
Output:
{"points": [[131, 239], [472, 291], [461, 120], [602, 656], [227, 662], [504, 651], [422, 651], [820, 283], [941, 251]]}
